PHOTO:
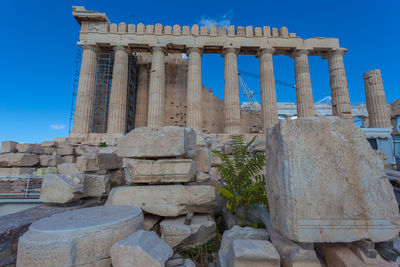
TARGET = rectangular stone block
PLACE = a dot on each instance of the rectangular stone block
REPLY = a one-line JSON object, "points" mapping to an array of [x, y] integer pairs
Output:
{"points": [[67, 168], [203, 159], [160, 171], [326, 184], [166, 200], [255, 253], [18, 160], [67, 159], [16, 171], [29, 148], [65, 150], [8, 147], [98, 161], [146, 142]]}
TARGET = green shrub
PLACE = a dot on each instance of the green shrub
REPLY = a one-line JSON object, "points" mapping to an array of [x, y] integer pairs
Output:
{"points": [[243, 184], [102, 144]]}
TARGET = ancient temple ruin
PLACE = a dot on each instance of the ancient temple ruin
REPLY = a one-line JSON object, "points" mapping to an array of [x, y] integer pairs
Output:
{"points": [[167, 89]]}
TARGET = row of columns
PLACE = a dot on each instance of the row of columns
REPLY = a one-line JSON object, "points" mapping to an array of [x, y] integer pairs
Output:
{"points": [[150, 108]]}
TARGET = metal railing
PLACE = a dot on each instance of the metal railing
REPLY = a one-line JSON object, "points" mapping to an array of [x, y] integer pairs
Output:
{"points": [[27, 192]]}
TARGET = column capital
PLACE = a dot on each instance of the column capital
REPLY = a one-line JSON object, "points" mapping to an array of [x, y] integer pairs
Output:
{"points": [[336, 51], [95, 48], [226, 50], [269, 50], [121, 47], [299, 52], [159, 48], [194, 49]]}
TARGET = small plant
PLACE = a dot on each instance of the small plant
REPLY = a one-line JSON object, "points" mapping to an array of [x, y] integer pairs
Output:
{"points": [[243, 184], [102, 144]]}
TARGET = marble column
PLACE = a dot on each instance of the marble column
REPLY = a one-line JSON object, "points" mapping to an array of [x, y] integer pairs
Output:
{"points": [[142, 97], [269, 105], [231, 92], [85, 97], [155, 114], [119, 91], [194, 118], [338, 82], [378, 110], [304, 97]]}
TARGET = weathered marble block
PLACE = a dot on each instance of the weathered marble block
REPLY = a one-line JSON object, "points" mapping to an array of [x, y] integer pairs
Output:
{"points": [[166, 200], [96, 161], [77, 238], [169, 141], [18, 160], [160, 171], [141, 249], [326, 184]]}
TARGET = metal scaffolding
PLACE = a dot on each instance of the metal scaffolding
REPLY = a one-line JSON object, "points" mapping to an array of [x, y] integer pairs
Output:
{"points": [[105, 62], [131, 97]]}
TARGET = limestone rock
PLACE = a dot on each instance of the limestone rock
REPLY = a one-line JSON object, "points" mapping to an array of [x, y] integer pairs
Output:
{"points": [[18, 160], [146, 142], [8, 147], [16, 171], [80, 150], [29, 148], [203, 159], [339, 254], [160, 171], [67, 159], [150, 221], [65, 150], [117, 177], [326, 184], [203, 177], [292, 254], [140, 249], [180, 236], [67, 168], [98, 161], [77, 238], [48, 144], [49, 160], [237, 232], [255, 253], [64, 188], [166, 200]]}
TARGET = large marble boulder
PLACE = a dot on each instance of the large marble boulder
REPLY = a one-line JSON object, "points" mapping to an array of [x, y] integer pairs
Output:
{"points": [[166, 200], [182, 236], [96, 161], [165, 142], [141, 249], [78, 238], [326, 184], [159, 171]]}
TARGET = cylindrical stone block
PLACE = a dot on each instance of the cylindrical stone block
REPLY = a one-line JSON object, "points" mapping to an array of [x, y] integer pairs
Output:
{"points": [[155, 115], [339, 93], [231, 92], [378, 111], [142, 97], [85, 97], [119, 91], [269, 106], [304, 97], [194, 119]]}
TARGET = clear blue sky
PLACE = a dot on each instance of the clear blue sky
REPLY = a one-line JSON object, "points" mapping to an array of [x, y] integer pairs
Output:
{"points": [[39, 50]]}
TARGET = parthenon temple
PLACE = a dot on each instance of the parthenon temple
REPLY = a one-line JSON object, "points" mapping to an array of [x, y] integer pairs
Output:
{"points": [[134, 76]]}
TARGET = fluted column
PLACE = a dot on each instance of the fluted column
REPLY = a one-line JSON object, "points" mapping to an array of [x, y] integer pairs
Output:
{"points": [[119, 91], [155, 115], [378, 111], [231, 92], [304, 97], [142, 97], [338, 82], [269, 105], [194, 118], [85, 97]]}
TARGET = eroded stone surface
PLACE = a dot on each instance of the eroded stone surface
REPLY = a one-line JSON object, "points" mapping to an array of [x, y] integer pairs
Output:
{"points": [[160, 171], [326, 184], [181, 236], [146, 142], [96, 161], [141, 249], [8, 147], [77, 237], [255, 253], [18, 160], [67, 168], [166, 200], [203, 159]]}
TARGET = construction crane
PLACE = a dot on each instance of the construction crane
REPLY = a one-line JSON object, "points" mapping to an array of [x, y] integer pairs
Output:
{"points": [[252, 103]]}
